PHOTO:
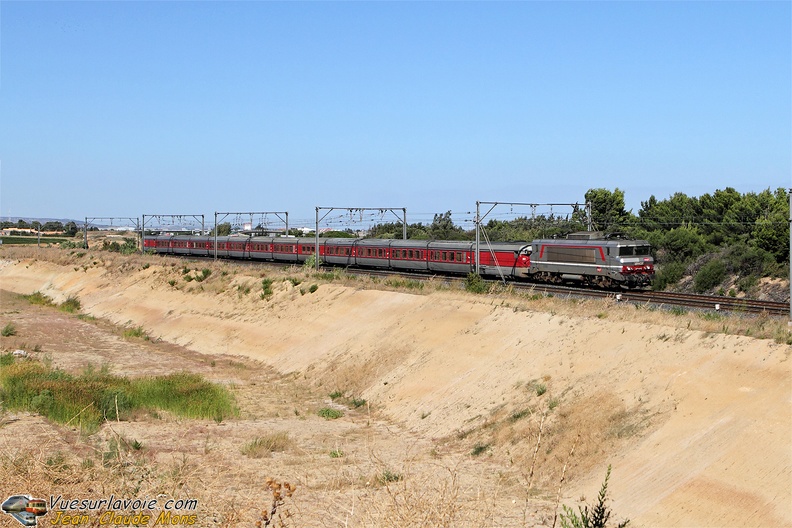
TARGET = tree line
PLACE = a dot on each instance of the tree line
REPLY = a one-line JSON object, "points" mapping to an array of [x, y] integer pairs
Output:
{"points": [[68, 229], [709, 237]]}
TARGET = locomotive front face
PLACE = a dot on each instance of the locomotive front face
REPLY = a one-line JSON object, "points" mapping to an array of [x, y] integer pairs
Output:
{"points": [[637, 264]]}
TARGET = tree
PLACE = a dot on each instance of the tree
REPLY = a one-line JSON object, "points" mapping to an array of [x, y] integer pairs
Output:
{"points": [[223, 229], [683, 243], [607, 209], [770, 231], [71, 229], [443, 228]]}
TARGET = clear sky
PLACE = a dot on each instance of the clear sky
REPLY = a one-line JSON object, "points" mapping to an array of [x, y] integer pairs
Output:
{"points": [[132, 108]]}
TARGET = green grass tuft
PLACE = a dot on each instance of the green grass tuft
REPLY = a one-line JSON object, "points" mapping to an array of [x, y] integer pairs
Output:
{"points": [[329, 414], [70, 305], [8, 330], [85, 401]]}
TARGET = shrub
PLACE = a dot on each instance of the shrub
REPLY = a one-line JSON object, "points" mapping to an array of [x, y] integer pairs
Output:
{"points": [[475, 284], [329, 414], [479, 449], [38, 298], [70, 305], [135, 332], [200, 277], [597, 517], [745, 284], [266, 285], [709, 276], [668, 274]]}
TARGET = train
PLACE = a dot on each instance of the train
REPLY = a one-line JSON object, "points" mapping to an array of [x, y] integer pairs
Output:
{"points": [[588, 258]]}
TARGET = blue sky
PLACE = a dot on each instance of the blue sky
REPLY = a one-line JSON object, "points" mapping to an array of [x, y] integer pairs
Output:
{"points": [[132, 108]]}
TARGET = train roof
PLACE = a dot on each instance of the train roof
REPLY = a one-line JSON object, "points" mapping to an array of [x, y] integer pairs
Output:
{"points": [[614, 242]]}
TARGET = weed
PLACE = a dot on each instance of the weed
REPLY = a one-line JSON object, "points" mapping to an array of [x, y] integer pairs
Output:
{"points": [[596, 517], [336, 394], [553, 403], [329, 414], [313, 288], [135, 332], [310, 263], [519, 415], [70, 305], [8, 330], [357, 402], [294, 281], [479, 448], [389, 476], [540, 388], [336, 453], [38, 298], [266, 285], [409, 284], [264, 446], [280, 492], [172, 282]]}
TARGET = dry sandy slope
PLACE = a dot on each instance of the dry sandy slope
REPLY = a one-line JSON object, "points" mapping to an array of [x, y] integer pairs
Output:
{"points": [[714, 447]]}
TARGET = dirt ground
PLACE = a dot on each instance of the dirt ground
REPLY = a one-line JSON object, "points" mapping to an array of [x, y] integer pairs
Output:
{"points": [[484, 406]]}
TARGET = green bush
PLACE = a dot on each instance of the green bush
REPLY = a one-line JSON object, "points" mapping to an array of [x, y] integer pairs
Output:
{"points": [[475, 284], [38, 298], [8, 330], [329, 414], [668, 274], [709, 276], [266, 285], [70, 305]]}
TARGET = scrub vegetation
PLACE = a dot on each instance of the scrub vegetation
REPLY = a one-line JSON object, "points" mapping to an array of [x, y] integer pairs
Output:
{"points": [[88, 399]]}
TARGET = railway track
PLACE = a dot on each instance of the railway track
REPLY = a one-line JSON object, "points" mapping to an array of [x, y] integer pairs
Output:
{"points": [[658, 299], [652, 298]]}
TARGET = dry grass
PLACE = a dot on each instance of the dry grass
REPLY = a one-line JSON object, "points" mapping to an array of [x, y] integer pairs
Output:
{"points": [[264, 446]]}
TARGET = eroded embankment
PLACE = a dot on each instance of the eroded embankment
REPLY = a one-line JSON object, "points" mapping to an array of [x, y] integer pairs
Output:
{"points": [[696, 425]]}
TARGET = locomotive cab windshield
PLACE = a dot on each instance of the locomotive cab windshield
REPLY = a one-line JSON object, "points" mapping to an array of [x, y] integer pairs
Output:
{"points": [[630, 251]]}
